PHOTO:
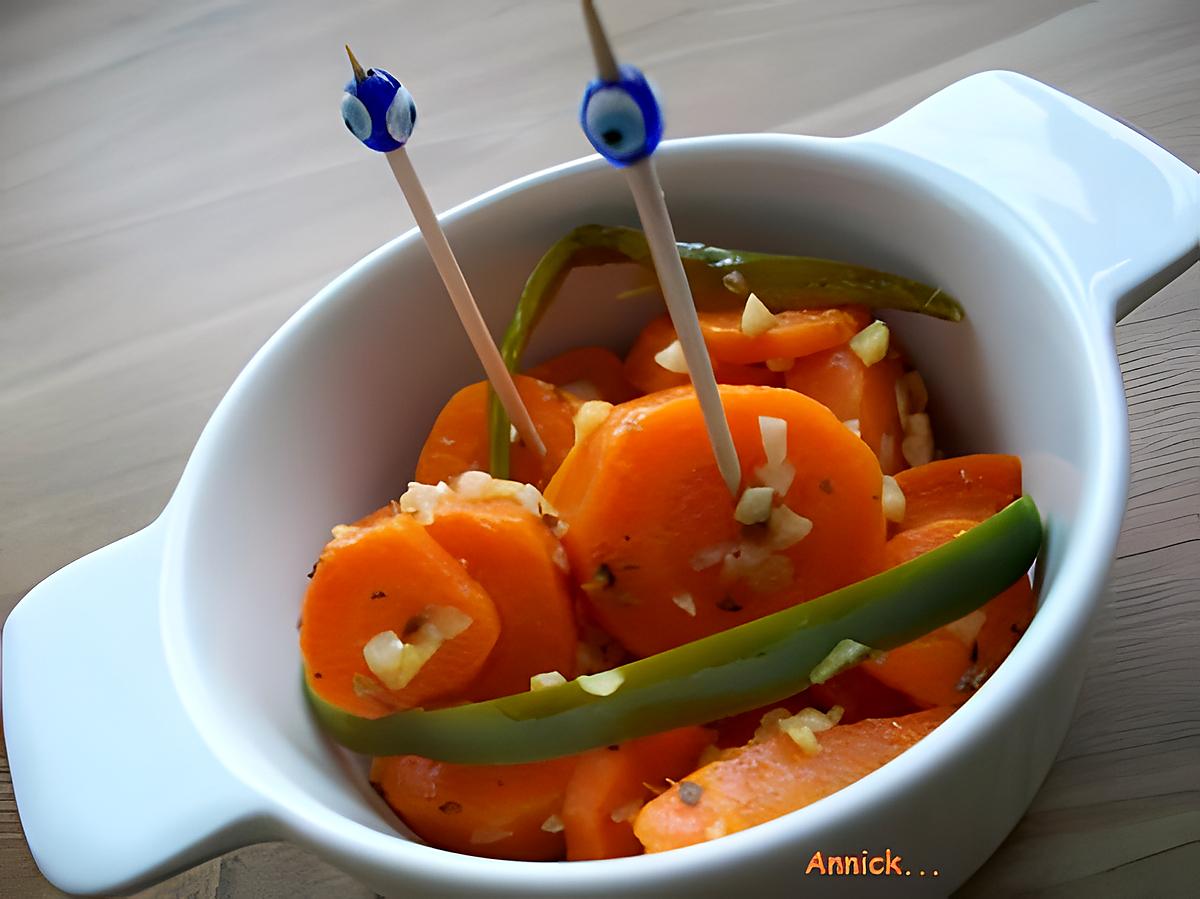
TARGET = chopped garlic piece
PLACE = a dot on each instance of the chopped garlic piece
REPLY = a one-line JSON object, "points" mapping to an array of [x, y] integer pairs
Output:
{"points": [[835, 714], [802, 736], [603, 684], [781, 364], [583, 389], [773, 574], [768, 724], [589, 417], [851, 425], [343, 531], [743, 560], [754, 507], [472, 484], [553, 824], [685, 602], [778, 477], [421, 500], [560, 558], [757, 318], [735, 282], [672, 359], [816, 721], [911, 395], [893, 499], [513, 436], [774, 432], [871, 343], [785, 528], [967, 628], [442, 623], [394, 662], [917, 445], [711, 555], [545, 680], [626, 812]]}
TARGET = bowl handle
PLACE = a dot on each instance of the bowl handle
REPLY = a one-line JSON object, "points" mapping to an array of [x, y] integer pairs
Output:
{"points": [[1120, 213], [115, 786]]}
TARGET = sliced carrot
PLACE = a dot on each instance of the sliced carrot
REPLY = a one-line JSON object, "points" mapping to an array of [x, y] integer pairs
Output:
{"points": [[860, 696], [970, 487], [514, 557], [589, 373], [945, 666], [385, 578], [797, 333], [496, 811], [651, 520], [610, 785], [459, 439], [771, 778], [879, 419], [839, 380], [644, 373]]}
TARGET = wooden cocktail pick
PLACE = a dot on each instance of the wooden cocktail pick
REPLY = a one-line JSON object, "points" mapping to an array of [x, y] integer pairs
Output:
{"points": [[380, 112], [621, 117]]}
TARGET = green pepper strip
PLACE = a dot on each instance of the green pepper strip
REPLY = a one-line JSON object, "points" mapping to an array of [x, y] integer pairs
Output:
{"points": [[745, 667], [781, 282]]}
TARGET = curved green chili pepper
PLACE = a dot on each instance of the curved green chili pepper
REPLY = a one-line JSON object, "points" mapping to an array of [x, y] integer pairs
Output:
{"points": [[781, 282], [742, 668]]}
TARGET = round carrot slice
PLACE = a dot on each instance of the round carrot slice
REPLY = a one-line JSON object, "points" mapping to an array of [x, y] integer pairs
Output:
{"points": [[652, 536], [497, 811], [459, 439], [589, 373], [391, 576]]}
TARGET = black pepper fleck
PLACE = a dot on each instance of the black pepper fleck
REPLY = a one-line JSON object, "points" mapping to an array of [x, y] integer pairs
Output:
{"points": [[690, 793], [450, 808], [313, 570], [378, 594], [413, 625], [975, 651], [729, 604], [826, 486], [317, 675]]}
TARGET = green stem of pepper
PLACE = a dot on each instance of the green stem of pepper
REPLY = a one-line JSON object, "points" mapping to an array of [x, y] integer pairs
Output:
{"points": [[736, 670], [781, 282]]}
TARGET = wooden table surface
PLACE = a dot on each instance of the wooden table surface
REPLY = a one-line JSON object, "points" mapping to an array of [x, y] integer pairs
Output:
{"points": [[175, 182]]}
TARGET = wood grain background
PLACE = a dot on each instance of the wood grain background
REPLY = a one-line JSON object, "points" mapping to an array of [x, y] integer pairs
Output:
{"points": [[174, 182]]}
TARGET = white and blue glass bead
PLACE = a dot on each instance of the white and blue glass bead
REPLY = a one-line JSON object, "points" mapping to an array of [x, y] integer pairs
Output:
{"points": [[622, 119], [379, 111]]}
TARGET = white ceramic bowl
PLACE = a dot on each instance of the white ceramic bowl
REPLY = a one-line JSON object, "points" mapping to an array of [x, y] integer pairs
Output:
{"points": [[152, 691]]}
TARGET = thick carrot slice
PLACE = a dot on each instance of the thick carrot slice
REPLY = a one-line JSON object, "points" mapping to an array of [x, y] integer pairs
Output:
{"points": [[459, 439], [651, 522], [644, 373], [945, 667], [497, 811], [385, 578], [589, 373], [839, 380], [969, 487], [514, 557], [610, 785], [774, 777], [797, 333]]}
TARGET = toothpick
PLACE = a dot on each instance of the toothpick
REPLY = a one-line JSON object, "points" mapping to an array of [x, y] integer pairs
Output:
{"points": [[609, 121], [380, 112]]}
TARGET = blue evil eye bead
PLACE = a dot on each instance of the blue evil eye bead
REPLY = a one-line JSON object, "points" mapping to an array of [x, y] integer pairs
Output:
{"points": [[622, 119], [379, 110]]}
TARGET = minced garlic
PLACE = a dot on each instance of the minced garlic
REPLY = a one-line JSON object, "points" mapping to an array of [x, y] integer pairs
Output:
{"points": [[589, 417], [802, 736], [851, 425], [546, 680], [785, 528], [626, 812], [894, 503], [603, 684], [553, 824], [672, 359], [757, 318], [917, 445], [685, 602], [774, 434], [754, 506], [735, 282], [871, 343], [396, 663]]}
